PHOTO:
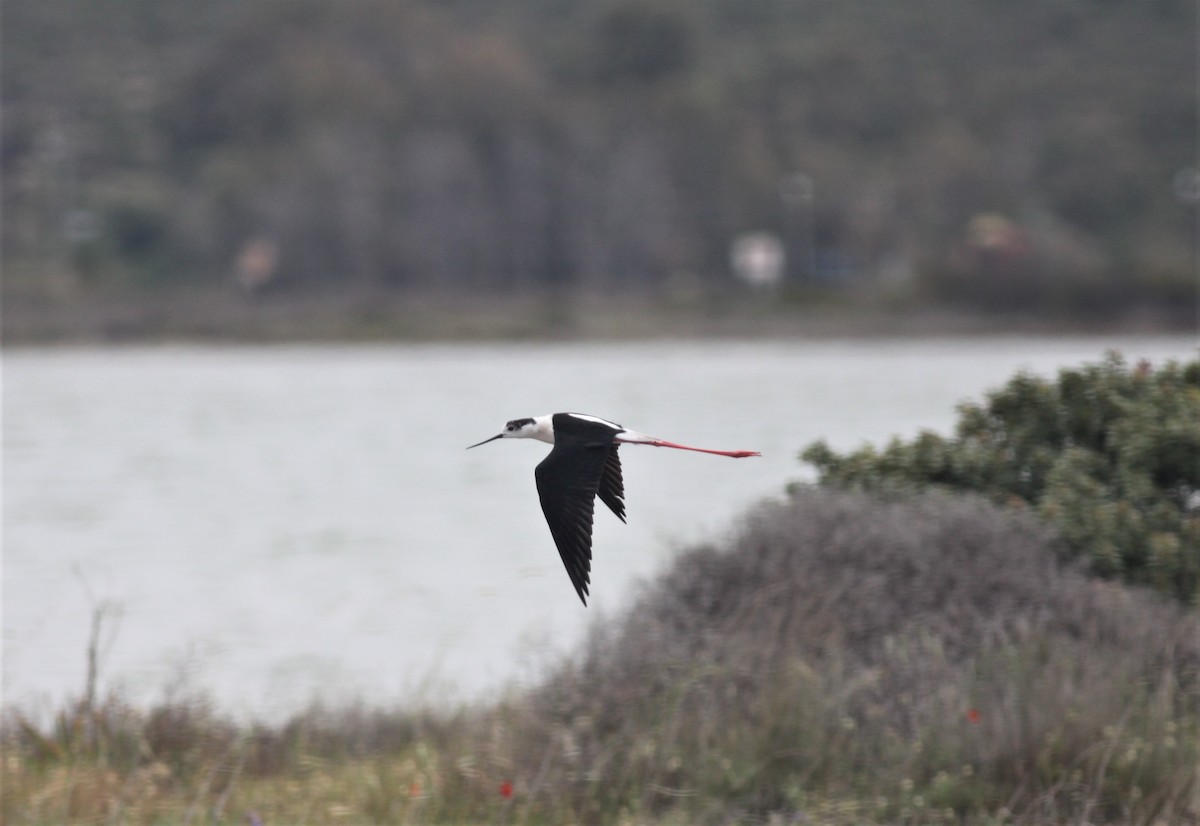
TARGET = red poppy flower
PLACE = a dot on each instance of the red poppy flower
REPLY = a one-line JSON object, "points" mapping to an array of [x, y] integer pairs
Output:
{"points": [[506, 790], [973, 715]]}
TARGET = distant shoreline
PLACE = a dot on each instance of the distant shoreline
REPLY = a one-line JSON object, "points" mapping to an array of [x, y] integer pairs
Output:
{"points": [[221, 316]]}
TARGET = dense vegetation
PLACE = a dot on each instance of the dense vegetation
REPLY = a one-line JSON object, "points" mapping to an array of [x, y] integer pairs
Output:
{"points": [[1021, 155], [1109, 454], [841, 660]]}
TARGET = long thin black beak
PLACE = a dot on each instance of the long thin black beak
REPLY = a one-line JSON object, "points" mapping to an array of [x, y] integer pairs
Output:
{"points": [[485, 441]]}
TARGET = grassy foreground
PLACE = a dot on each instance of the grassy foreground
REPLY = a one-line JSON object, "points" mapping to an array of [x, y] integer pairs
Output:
{"points": [[842, 659]]}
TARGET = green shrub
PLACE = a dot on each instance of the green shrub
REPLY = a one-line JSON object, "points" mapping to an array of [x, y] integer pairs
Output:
{"points": [[1108, 454]]}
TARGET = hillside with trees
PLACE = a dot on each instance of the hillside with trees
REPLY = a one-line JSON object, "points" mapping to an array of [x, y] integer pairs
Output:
{"points": [[1024, 157]]}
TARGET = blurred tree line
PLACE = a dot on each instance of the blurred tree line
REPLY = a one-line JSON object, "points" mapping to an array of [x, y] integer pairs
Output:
{"points": [[1021, 155]]}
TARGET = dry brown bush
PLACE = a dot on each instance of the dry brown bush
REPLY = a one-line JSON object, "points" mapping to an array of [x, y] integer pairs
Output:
{"points": [[932, 647]]}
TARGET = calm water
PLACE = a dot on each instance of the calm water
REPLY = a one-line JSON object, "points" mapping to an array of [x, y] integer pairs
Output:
{"points": [[274, 525]]}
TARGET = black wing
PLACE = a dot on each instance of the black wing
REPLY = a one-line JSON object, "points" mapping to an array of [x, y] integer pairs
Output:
{"points": [[612, 486], [568, 480]]}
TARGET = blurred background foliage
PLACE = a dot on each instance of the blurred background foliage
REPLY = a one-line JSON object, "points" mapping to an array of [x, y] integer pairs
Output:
{"points": [[1021, 156]]}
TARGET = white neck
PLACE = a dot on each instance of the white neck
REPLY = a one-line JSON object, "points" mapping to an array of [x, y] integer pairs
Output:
{"points": [[543, 429]]}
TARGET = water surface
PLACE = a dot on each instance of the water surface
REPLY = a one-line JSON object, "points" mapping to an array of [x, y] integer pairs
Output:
{"points": [[273, 525]]}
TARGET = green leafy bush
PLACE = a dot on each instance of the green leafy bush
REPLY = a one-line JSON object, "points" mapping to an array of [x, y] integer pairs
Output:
{"points": [[1108, 454]]}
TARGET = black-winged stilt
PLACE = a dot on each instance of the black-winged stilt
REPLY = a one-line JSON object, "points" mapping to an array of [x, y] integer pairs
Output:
{"points": [[583, 465]]}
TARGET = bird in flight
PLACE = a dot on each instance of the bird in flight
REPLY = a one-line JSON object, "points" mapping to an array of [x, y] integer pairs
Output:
{"points": [[584, 464]]}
